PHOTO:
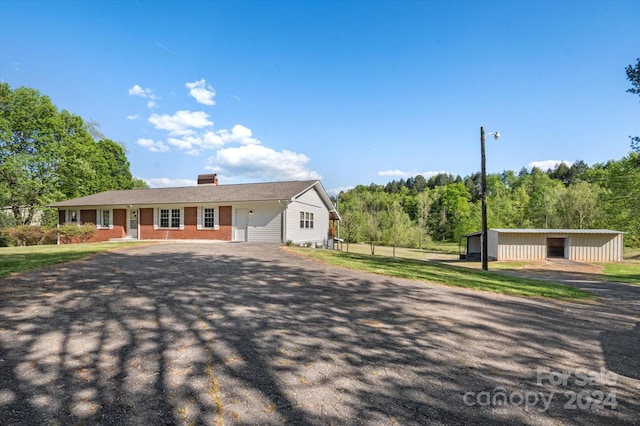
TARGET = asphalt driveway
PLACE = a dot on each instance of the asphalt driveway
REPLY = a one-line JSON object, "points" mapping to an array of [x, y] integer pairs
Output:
{"points": [[251, 334]]}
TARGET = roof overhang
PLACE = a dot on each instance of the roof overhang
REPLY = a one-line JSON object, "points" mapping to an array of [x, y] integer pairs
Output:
{"points": [[333, 212]]}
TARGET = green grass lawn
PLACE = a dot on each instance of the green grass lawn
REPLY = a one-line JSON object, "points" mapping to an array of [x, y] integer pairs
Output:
{"points": [[446, 274], [444, 248], [625, 272], [20, 259]]}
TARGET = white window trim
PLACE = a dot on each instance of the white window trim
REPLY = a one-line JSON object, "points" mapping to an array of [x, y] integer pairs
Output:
{"points": [[308, 219], [200, 224], [99, 218], [67, 216], [156, 217]]}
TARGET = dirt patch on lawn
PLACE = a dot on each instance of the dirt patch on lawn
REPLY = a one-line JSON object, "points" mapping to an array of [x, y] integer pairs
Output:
{"points": [[564, 265]]}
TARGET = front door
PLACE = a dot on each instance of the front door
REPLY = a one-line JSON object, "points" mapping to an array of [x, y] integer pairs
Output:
{"points": [[132, 228], [241, 224]]}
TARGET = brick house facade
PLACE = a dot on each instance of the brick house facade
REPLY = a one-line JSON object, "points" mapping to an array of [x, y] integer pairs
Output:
{"points": [[297, 211]]}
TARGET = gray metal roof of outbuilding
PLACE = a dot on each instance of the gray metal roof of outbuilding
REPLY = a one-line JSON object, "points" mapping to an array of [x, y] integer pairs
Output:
{"points": [[546, 231], [555, 231]]}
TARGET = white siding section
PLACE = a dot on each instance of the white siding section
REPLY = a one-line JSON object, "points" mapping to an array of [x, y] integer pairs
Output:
{"points": [[587, 247], [492, 245], [310, 202], [265, 224], [521, 247], [596, 247]]}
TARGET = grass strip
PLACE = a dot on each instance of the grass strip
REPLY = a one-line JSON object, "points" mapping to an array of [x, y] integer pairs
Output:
{"points": [[622, 272], [447, 274], [20, 259]]}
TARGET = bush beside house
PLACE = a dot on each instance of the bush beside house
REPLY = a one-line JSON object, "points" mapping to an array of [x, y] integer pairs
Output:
{"points": [[33, 235]]}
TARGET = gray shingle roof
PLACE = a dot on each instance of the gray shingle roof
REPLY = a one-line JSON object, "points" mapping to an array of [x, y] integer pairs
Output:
{"points": [[269, 191]]}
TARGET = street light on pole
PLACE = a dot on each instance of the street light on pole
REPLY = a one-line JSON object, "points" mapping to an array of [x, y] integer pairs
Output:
{"points": [[483, 173]]}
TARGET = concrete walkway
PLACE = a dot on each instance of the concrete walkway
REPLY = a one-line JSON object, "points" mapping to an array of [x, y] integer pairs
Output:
{"points": [[251, 334]]}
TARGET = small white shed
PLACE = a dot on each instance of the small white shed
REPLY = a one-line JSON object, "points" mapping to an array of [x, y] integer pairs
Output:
{"points": [[589, 245]]}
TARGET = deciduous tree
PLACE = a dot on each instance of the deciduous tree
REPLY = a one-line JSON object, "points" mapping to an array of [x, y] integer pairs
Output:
{"points": [[633, 75], [47, 154]]}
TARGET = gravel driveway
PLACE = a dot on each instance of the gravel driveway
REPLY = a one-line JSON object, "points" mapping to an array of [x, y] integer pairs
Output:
{"points": [[252, 334]]}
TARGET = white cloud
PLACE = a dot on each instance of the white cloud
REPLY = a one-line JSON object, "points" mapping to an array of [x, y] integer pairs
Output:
{"points": [[153, 146], [180, 121], [336, 191], [168, 183], [133, 117], [259, 162], [184, 143], [188, 139], [395, 172], [240, 134], [211, 140], [548, 164], [202, 92], [137, 90], [408, 174]]}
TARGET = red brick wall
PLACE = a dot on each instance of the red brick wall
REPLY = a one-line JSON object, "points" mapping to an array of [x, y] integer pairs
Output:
{"points": [[88, 216], [146, 231], [225, 222], [120, 221], [190, 217], [119, 227], [190, 231]]}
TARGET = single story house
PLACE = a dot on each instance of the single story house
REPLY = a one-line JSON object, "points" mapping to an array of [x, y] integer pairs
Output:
{"points": [[297, 211], [589, 245]]}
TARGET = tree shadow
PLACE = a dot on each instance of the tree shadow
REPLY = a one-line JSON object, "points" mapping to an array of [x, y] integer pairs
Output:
{"points": [[205, 334]]}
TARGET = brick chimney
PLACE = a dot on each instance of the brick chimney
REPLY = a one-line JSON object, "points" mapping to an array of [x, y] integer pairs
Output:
{"points": [[208, 179]]}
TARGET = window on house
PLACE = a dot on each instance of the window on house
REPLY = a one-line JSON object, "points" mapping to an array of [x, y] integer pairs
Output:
{"points": [[106, 218], [209, 217], [72, 216], [306, 220], [168, 218], [175, 218], [164, 218]]}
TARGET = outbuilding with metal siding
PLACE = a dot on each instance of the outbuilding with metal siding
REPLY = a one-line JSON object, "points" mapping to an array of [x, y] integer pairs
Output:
{"points": [[588, 245]]}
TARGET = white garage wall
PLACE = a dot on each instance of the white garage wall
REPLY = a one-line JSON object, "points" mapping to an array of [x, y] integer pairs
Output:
{"points": [[310, 202], [265, 224]]}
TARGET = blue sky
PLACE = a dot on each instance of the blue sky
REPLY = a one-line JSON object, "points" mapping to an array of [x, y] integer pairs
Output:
{"points": [[352, 92]]}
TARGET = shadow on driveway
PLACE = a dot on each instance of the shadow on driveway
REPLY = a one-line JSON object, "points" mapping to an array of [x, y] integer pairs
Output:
{"points": [[247, 334]]}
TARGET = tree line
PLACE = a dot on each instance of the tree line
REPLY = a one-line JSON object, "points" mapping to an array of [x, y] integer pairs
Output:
{"points": [[48, 155], [415, 211]]}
